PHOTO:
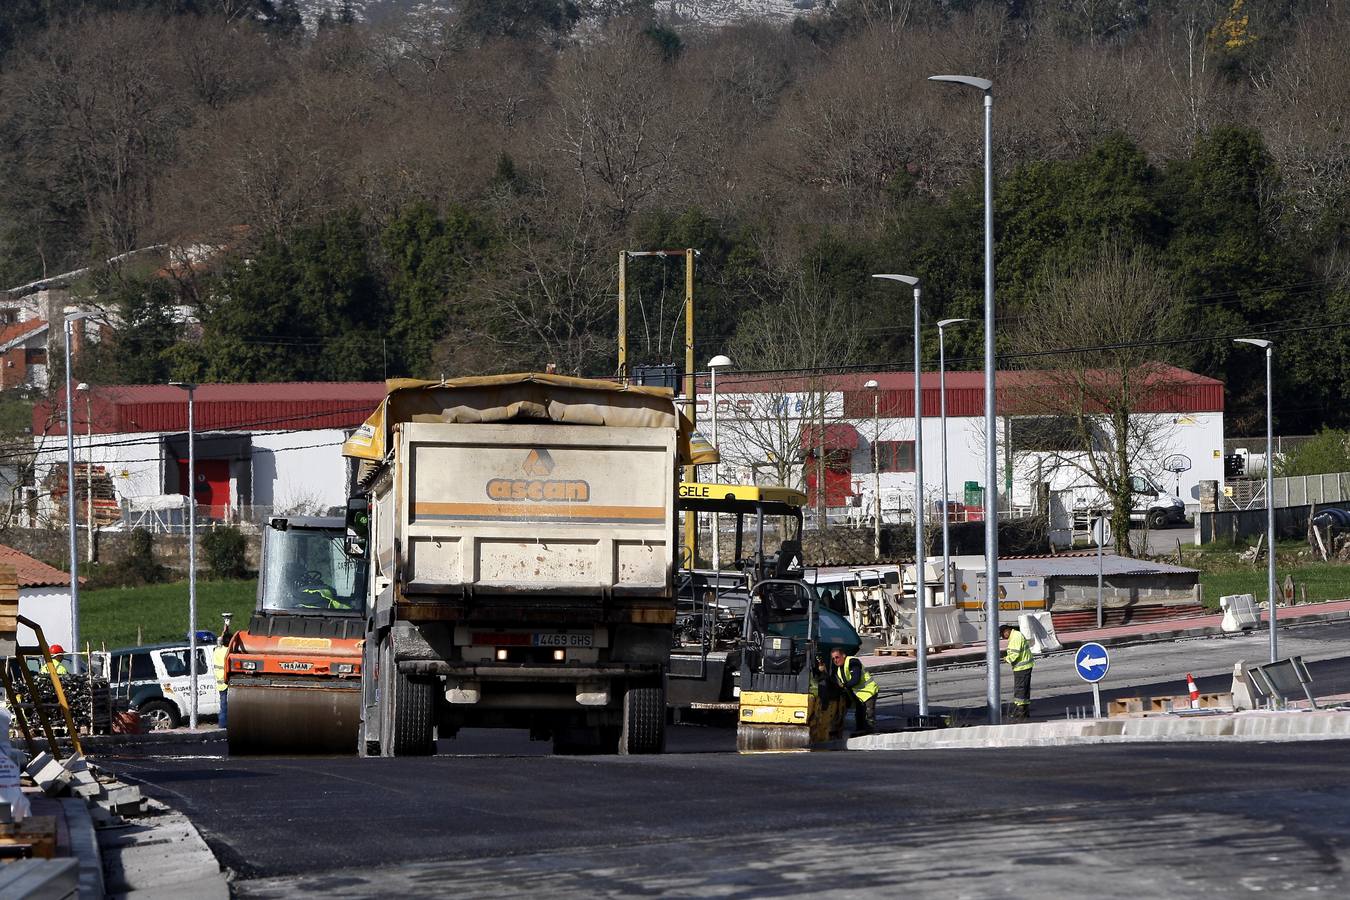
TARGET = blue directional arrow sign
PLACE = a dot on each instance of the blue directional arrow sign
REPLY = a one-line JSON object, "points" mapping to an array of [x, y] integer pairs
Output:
{"points": [[1092, 662]]}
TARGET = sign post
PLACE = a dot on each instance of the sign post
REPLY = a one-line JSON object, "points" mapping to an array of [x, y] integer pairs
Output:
{"points": [[1099, 538], [1092, 663]]}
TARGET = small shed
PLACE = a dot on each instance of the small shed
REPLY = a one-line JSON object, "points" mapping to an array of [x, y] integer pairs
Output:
{"points": [[44, 597]]}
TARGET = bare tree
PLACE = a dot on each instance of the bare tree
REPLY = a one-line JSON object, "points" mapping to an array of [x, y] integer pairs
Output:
{"points": [[614, 122], [547, 297], [93, 112], [780, 413], [1113, 312]]}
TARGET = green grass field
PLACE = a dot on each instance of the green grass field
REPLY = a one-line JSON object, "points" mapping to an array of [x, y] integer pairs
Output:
{"points": [[1322, 581], [158, 613]]}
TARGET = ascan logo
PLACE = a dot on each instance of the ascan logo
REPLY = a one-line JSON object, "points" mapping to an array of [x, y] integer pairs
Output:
{"points": [[540, 490]]}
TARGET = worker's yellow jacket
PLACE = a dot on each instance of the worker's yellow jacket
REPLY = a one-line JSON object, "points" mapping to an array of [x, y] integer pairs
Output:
{"points": [[854, 678], [1019, 652], [218, 659]]}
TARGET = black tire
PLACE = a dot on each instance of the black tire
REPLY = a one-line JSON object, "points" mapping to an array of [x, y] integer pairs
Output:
{"points": [[406, 711], [160, 715], [644, 720], [1157, 519]]}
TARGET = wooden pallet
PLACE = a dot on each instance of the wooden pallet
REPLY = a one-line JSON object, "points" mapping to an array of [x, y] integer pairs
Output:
{"points": [[36, 832], [911, 650]]}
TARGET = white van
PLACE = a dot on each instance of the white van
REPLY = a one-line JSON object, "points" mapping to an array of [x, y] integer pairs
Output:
{"points": [[157, 683]]}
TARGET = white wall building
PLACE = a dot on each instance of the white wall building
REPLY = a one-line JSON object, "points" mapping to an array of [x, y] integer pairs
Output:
{"points": [[764, 419], [44, 598], [260, 449]]}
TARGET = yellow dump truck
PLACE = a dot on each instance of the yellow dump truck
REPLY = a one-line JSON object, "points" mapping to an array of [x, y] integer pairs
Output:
{"points": [[522, 538]]}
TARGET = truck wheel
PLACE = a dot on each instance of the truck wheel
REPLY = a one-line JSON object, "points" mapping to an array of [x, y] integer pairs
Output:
{"points": [[406, 711], [644, 720], [160, 715], [1157, 519]]}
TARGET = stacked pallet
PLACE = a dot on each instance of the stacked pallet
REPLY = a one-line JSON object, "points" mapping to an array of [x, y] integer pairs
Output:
{"points": [[9, 610], [33, 838], [1139, 706]]}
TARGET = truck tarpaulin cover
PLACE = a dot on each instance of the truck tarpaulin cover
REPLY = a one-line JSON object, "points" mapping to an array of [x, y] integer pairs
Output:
{"points": [[525, 396]]}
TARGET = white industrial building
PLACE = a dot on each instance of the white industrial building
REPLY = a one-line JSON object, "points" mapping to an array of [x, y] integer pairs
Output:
{"points": [[260, 449], [768, 430]]}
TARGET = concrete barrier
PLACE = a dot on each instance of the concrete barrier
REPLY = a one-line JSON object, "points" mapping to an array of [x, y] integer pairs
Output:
{"points": [[1252, 726], [1240, 613], [1039, 629]]}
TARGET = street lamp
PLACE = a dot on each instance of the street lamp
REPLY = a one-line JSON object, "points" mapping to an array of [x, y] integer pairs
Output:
{"points": [[920, 554], [70, 320], [871, 385], [946, 497], [992, 695], [1270, 487], [192, 551], [719, 361], [83, 388]]}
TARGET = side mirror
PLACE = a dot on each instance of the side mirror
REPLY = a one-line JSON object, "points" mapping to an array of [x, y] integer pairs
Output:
{"points": [[358, 525]]}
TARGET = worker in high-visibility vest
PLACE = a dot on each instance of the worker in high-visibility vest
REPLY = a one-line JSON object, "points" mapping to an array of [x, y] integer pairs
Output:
{"points": [[1019, 657], [57, 650], [851, 675], [218, 654]]}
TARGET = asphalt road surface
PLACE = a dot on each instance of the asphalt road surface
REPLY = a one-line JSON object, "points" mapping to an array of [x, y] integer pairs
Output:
{"points": [[1102, 821], [494, 814]]}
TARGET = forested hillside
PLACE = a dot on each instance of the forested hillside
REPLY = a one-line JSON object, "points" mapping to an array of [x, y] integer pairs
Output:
{"points": [[448, 193]]}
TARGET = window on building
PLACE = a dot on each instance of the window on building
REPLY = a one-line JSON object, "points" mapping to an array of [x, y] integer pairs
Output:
{"points": [[1045, 434], [895, 456], [35, 356]]}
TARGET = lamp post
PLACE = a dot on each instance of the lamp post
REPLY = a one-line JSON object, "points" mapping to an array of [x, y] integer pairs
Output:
{"points": [[1270, 487], [920, 551], [872, 386], [992, 695], [192, 551], [946, 497], [70, 320], [719, 361], [83, 388]]}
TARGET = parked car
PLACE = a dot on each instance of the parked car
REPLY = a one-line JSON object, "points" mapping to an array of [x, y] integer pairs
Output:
{"points": [[157, 683]]}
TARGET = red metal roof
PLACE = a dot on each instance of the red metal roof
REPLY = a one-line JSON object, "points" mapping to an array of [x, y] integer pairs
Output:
{"points": [[1020, 391], [285, 406], [33, 572]]}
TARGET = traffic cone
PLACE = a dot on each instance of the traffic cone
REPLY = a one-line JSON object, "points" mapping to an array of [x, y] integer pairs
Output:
{"points": [[1194, 691]]}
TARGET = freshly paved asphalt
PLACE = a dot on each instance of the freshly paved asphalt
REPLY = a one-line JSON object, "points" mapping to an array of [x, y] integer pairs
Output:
{"points": [[495, 815], [1108, 821]]}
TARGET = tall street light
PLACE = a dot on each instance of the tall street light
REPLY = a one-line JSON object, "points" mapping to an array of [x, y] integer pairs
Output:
{"points": [[192, 551], [946, 497], [992, 695], [70, 321], [719, 361], [920, 551], [1270, 487], [83, 388], [872, 386]]}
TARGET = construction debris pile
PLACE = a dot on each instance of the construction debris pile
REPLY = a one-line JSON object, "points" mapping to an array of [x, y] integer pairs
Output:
{"points": [[90, 699], [1329, 534]]}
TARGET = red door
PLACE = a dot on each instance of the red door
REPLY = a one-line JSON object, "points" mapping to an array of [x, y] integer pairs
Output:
{"points": [[213, 486], [838, 478]]}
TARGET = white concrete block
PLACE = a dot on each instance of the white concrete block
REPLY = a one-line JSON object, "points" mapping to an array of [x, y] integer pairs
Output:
{"points": [[1240, 612]]}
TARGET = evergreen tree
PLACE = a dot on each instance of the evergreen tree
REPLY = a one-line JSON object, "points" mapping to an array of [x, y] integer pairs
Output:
{"points": [[308, 308]]}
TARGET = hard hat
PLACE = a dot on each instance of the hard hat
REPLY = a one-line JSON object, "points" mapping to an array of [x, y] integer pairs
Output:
{"points": [[57, 648]]}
